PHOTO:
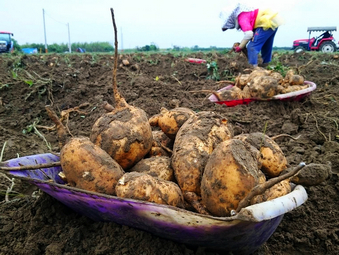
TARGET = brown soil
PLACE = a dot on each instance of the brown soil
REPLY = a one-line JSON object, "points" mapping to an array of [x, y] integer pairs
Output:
{"points": [[35, 223]]}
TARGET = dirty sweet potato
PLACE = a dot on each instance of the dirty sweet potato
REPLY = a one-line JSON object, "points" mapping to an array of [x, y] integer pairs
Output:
{"points": [[162, 145], [159, 167], [194, 142], [278, 190], [277, 76], [272, 158], [170, 121], [293, 88], [246, 93], [230, 174], [263, 87], [142, 186], [293, 79], [296, 80], [124, 134], [258, 72], [86, 166], [241, 80], [229, 94]]}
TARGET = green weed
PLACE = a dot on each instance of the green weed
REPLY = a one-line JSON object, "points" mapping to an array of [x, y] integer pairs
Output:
{"points": [[278, 67], [2, 86], [33, 129], [213, 71], [29, 82]]}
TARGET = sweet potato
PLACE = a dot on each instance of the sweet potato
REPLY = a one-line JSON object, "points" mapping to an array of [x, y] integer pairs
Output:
{"points": [[141, 186], [125, 133], [241, 80], [293, 88], [272, 158], [170, 121], [246, 92], [159, 167], [86, 166], [194, 142], [296, 80], [280, 189], [277, 76], [162, 145], [230, 174], [288, 75], [293, 79], [258, 72], [263, 87], [229, 94]]}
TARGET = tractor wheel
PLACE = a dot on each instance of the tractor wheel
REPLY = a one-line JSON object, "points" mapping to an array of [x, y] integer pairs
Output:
{"points": [[327, 47], [299, 49]]}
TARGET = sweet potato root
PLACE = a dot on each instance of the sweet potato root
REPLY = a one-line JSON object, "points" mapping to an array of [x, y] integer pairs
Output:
{"points": [[194, 142], [159, 167], [170, 121], [230, 174], [142, 186], [86, 166]]}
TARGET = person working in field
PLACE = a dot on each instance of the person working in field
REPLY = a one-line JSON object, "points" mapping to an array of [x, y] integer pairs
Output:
{"points": [[259, 27]]}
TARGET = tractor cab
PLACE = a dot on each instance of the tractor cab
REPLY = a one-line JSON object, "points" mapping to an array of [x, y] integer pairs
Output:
{"points": [[324, 42], [6, 43]]}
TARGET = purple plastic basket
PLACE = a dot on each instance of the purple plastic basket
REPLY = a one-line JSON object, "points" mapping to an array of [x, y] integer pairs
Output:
{"points": [[243, 233]]}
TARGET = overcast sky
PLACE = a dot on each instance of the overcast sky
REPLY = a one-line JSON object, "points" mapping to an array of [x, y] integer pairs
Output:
{"points": [[183, 23]]}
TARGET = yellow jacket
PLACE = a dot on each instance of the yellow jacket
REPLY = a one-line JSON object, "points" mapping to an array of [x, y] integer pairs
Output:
{"points": [[268, 19]]}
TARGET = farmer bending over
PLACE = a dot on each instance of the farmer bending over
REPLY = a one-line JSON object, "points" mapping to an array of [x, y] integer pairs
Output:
{"points": [[259, 27]]}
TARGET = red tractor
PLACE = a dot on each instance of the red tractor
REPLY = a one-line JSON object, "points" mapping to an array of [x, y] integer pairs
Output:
{"points": [[324, 42]]}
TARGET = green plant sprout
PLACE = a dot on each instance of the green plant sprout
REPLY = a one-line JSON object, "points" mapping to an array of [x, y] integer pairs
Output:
{"points": [[278, 67], [29, 82], [213, 70], [31, 128]]}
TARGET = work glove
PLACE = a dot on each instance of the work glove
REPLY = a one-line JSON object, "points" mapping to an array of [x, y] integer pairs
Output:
{"points": [[237, 49]]}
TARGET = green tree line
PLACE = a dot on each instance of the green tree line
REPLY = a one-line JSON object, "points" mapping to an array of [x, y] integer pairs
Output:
{"points": [[63, 47], [107, 47]]}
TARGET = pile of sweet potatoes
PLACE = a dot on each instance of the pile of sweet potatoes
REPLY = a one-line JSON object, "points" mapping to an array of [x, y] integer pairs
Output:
{"points": [[262, 84], [177, 157]]}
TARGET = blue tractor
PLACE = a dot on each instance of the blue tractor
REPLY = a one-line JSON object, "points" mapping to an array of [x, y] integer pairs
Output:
{"points": [[6, 43]]}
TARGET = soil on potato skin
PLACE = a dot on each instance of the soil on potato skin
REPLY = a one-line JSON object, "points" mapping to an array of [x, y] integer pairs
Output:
{"points": [[38, 224]]}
